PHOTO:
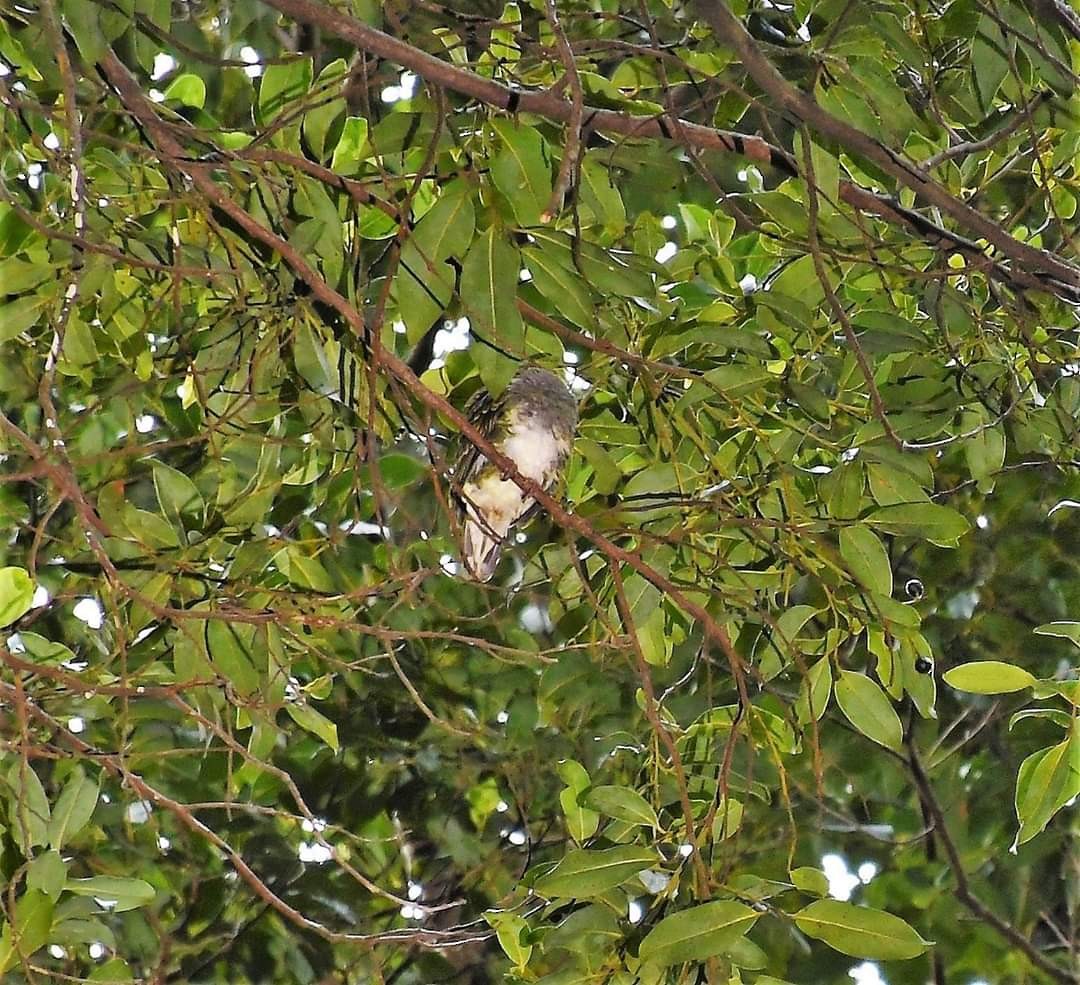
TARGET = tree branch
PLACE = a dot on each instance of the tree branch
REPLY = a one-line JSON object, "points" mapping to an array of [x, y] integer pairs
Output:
{"points": [[174, 155], [1059, 278], [963, 890], [729, 29]]}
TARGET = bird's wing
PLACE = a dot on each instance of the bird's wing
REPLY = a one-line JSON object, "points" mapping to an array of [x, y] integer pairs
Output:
{"points": [[483, 412]]}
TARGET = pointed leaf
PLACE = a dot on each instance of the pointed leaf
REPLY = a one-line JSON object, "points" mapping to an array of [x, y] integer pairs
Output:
{"points": [[814, 692], [29, 931], [867, 559], [489, 279], [115, 893], [47, 874], [866, 706], [930, 521], [1048, 779], [28, 810], [16, 594], [282, 84], [314, 722], [580, 821], [697, 933], [622, 803], [177, 494], [583, 873], [522, 170], [73, 809], [860, 931], [1065, 630], [989, 677]]}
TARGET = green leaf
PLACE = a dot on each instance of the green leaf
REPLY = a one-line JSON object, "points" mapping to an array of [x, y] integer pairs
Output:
{"points": [[17, 276], [989, 60], [81, 930], [522, 170], [984, 450], [16, 594], [697, 933], [580, 821], [1064, 630], [43, 650], [319, 119], [504, 47], [810, 880], [483, 799], [1060, 718], [229, 646], [600, 194], [282, 84], [512, 931], [1047, 780], [489, 279], [937, 524], [19, 315], [112, 972], [865, 705], [891, 486], [398, 470], [188, 90], [28, 808], [73, 809], [728, 818], [860, 931], [563, 287], [29, 931], [989, 677], [314, 722], [47, 874], [623, 804], [1069, 690], [601, 270], [780, 640], [353, 139], [814, 692], [582, 873], [83, 20], [118, 893], [307, 572], [867, 559], [574, 775], [425, 283], [177, 495]]}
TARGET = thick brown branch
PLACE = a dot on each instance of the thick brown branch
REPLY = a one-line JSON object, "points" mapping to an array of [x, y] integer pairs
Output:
{"points": [[1060, 278], [549, 104], [1060, 11], [143, 110], [729, 29]]}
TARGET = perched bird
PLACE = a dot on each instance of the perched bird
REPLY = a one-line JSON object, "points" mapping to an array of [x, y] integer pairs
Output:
{"points": [[532, 424]]}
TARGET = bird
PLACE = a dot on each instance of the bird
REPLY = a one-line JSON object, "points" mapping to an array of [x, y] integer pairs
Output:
{"points": [[532, 423]]}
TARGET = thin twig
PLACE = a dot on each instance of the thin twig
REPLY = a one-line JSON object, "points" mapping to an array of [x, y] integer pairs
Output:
{"points": [[572, 144]]}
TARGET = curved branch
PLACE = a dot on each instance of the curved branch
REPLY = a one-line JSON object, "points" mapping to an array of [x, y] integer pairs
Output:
{"points": [[174, 155], [1034, 270], [730, 30]]}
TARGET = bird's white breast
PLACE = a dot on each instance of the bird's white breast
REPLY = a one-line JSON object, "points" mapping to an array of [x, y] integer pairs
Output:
{"points": [[534, 449]]}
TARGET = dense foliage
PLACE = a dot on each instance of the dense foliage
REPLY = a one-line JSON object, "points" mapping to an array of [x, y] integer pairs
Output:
{"points": [[807, 591]]}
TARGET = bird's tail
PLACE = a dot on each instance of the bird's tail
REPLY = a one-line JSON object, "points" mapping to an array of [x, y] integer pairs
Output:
{"points": [[482, 548]]}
